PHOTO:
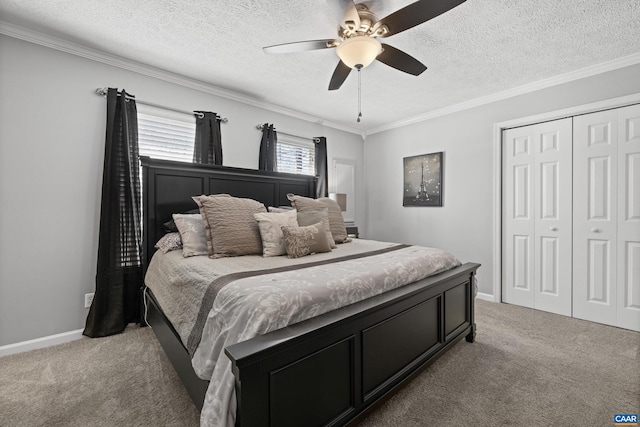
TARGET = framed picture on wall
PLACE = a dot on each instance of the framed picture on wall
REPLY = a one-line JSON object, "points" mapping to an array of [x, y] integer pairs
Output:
{"points": [[423, 180]]}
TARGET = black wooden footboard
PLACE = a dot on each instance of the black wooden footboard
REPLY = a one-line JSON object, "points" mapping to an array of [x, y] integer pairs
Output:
{"points": [[331, 369]]}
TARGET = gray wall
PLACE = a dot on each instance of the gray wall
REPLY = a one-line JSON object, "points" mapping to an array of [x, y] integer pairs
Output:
{"points": [[51, 151], [464, 225]]}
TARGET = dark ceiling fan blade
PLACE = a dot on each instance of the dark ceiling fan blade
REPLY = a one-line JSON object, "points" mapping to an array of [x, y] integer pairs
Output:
{"points": [[348, 14], [400, 61], [339, 76], [415, 14], [303, 46]]}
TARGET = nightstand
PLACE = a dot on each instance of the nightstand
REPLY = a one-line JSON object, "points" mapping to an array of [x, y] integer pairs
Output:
{"points": [[352, 231]]}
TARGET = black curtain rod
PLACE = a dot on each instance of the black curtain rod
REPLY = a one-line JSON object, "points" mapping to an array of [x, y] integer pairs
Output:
{"points": [[103, 92], [315, 140]]}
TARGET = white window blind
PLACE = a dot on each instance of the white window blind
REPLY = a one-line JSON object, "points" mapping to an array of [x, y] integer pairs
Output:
{"points": [[164, 138], [295, 155]]}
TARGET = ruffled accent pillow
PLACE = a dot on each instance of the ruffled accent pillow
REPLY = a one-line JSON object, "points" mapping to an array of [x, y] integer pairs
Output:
{"points": [[270, 225], [169, 242], [336, 221], [191, 229], [302, 241]]}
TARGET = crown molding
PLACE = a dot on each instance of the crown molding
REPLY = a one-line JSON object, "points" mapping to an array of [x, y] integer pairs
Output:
{"points": [[42, 39], [592, 70], [77, 49]]}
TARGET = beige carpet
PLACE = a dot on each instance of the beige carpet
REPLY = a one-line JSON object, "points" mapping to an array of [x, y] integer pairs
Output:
{"points": [[527, 368], [123, 380]]}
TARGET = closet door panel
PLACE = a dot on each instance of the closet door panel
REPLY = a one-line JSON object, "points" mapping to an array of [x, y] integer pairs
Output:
{"points": [[599, 271], [552, 188], [518, 217], [628, 236], [595, 216]]}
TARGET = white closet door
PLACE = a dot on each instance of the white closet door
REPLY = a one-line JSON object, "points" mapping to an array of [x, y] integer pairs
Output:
{"points": [[518, 216], [594, 216], [537, 216], [629, 218], [553, 207]]}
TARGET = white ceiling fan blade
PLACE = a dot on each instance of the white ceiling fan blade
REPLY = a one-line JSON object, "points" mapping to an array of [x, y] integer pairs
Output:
{"points": [[302, 46], [346, 13]]}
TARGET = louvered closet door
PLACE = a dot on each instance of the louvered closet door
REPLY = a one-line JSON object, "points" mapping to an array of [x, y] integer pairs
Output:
{"points": [[537, 216]]}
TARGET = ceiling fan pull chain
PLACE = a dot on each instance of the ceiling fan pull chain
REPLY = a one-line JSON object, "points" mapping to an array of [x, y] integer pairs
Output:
{"points": [[359, 93]]}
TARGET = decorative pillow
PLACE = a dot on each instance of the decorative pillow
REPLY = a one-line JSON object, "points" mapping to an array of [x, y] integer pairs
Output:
{"points": [[336, 221], [170, 226], [302, 241], [229, 224], [169, 242], [280, 209], [312, 217], [191, 228], [270, 225]]}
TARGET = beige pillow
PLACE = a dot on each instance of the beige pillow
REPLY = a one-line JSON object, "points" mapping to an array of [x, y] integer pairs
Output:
{"points": [[312, 217], [302, 241], [336, 221], [270, 225], [191, 229], [229, 224]]}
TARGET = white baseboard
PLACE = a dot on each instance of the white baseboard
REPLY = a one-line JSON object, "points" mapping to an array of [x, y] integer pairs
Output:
{"points": [[486, 297], [43, 342], [64, 337]]}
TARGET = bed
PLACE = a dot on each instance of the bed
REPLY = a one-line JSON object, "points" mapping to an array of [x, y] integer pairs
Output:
{"points": [[329, 369]]}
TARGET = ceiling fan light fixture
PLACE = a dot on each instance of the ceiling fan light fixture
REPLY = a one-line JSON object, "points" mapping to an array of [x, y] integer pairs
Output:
{"points": [[358, 50]]}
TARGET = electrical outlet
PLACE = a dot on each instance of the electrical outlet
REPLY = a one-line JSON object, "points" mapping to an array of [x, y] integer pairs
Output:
{"points": [[88, 299]]}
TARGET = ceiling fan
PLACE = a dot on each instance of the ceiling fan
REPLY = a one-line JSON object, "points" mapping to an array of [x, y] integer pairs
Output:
{"points": [[357, 44]]}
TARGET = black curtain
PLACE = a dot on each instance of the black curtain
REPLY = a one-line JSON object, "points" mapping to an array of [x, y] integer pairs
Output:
{"points": [[267, 161], [208, 143], [119, 272], [321, 168]]}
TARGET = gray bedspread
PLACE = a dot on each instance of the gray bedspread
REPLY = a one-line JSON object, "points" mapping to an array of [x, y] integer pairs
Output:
{"points": [[215, 303]]}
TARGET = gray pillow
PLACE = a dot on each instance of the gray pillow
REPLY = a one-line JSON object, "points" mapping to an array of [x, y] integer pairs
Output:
{"points": [[230, 226], [336, 221], [313, 217], [191, 229], [302, 241]]}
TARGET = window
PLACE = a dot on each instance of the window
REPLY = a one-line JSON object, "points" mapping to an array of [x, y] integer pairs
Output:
{"points": [[166, 138], [295, 155]]}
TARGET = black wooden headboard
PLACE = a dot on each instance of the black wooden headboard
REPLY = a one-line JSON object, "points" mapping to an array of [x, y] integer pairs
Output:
{"points": [[167, 188]]}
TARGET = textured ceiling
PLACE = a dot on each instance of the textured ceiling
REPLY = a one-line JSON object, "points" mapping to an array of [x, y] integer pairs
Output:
{"points": [[477, 49]]}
